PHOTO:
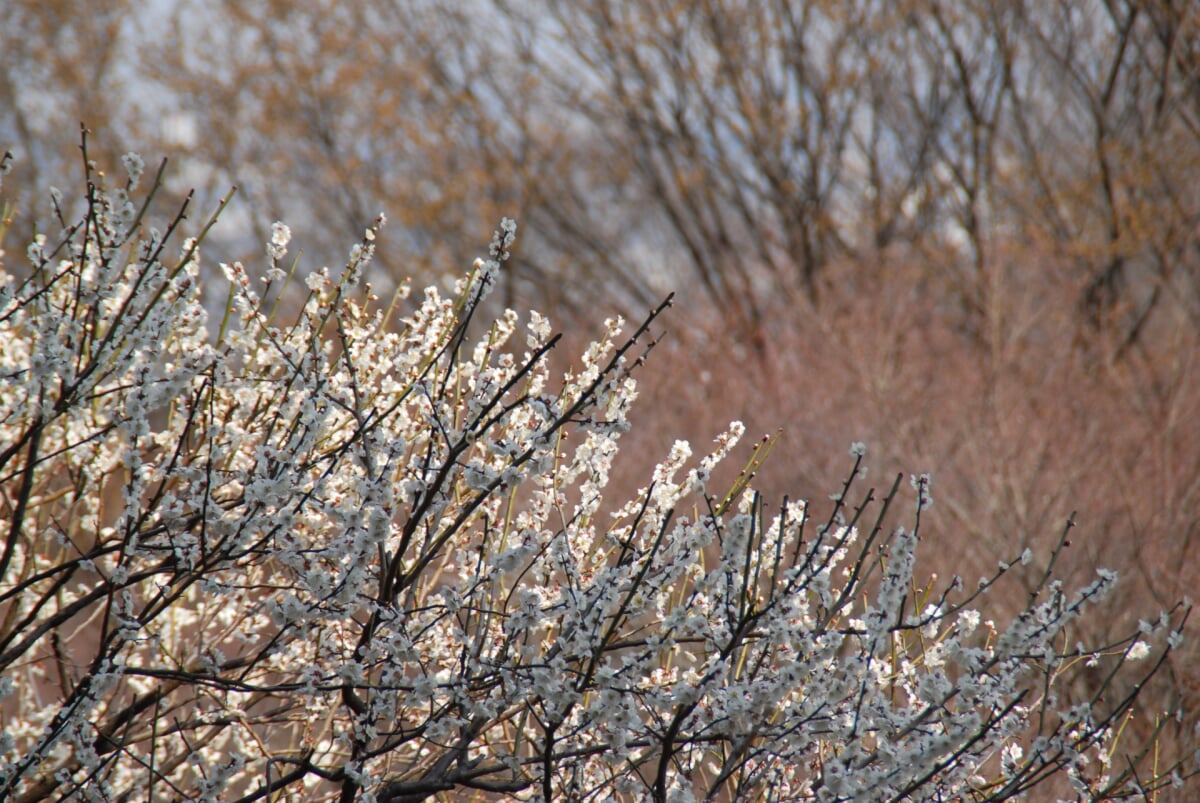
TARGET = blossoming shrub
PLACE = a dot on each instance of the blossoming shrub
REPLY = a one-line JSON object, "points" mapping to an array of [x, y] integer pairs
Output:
{"points": [[367, 555]]}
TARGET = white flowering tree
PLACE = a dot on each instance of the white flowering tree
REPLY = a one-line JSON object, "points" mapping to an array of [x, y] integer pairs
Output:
{"points": [[365, 553]]}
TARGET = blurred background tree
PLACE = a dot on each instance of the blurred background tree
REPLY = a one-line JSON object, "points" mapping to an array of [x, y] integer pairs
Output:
{"points": [[755, 151], [967, 232]]}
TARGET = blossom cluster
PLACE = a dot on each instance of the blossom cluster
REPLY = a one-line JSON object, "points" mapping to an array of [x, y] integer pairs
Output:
{"points": [[364, 551]]}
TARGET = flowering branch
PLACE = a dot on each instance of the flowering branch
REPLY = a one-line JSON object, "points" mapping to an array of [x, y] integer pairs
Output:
{"points": [[366, 557]]}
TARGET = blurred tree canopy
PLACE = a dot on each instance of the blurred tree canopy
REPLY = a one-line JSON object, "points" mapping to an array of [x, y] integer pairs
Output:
{"points": [[753, 151]]}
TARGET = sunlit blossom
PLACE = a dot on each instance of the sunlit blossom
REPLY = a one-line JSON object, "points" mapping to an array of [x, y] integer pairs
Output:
{"points": [[363, 548]]}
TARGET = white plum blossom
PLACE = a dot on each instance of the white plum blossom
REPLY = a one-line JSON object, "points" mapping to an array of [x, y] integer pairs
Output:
{"points": [[370, 552], [134, 166], [1138, 651], [281, 235]]}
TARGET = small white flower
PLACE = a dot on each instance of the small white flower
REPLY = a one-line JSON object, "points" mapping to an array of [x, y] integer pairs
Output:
{"points": [[479, 477], [969, 620], [539, 329], [134, 165], [36, 247], [352, 672], [1010, 756], [281, 235], [316, 281], [503, 239], [1138, 651], [920, 484]]}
